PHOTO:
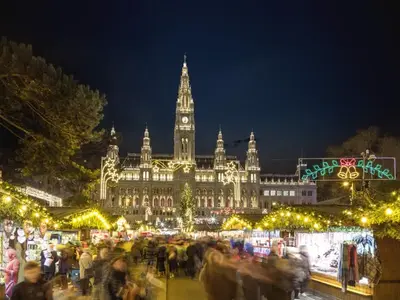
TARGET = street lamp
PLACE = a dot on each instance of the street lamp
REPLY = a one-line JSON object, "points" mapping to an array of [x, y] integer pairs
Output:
{"points": [[366, 156], [232, 175]]}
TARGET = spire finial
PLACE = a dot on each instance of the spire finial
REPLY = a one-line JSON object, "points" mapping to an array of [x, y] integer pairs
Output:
{"points": [[184, 58], [112, 129]]}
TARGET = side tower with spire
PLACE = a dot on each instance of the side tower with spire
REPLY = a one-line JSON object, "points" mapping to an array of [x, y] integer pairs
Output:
{"points": [[145, 154], [219, 154], [113, 149], [253, 170], [184, 132]]}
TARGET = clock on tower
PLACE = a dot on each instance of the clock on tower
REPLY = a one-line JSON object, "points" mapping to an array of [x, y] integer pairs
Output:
{"points": [[185, 120]]}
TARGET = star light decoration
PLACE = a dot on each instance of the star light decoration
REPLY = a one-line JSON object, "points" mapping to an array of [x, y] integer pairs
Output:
{"points": [[109, 171], [171, 166], [232, 174]]}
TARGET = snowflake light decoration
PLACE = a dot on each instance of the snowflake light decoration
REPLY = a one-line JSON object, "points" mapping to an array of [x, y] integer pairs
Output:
{"points": [[156, 169]]}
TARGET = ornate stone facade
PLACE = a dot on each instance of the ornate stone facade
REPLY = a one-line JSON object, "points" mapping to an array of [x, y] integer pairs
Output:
{"points": [[218, 181]]}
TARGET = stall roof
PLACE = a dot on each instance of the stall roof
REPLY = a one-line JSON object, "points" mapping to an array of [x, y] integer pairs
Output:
{"points": [[63, 212]]}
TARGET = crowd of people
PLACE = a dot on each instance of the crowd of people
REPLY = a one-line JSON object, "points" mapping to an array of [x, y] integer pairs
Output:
{"points": [[129, 271]]}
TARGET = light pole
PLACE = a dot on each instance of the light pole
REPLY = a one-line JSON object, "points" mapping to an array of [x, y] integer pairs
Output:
{"points": [[108, 172], [232, 175], [366, 156]]}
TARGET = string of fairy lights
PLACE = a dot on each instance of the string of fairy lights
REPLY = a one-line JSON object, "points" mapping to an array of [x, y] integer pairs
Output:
{"points": [[383, 218], [19, 207]]}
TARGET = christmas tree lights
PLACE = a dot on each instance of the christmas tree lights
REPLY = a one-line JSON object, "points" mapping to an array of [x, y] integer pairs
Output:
{"points": [[187, 209]]}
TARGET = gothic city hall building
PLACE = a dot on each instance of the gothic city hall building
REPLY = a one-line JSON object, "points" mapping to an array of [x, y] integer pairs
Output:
{"points": [[149, 184]]}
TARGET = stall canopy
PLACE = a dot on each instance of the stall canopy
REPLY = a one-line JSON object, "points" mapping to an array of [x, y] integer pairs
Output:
{"points": [[82, 217]]}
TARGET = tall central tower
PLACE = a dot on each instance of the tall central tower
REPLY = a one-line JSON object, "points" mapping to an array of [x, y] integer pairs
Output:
{"points": [[184, 132]]}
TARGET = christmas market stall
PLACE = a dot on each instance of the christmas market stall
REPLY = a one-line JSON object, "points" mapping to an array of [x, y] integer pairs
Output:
{"points": [[348, 246], [23, 231]]}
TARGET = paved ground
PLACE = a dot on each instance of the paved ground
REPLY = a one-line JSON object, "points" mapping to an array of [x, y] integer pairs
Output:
{"points": [[184, 289]]}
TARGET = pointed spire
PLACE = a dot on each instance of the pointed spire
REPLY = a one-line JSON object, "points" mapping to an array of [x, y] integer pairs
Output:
{"points": [[146, 137], [219, 157], [113, 136], [252, 141], [145, 157], [112, 132], [185, 99]]}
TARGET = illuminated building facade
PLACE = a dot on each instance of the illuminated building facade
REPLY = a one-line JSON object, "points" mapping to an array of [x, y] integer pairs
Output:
{"points": [[155, 181]]}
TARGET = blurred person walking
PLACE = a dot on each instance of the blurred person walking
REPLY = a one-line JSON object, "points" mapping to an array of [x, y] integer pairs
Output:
{"points": [[85, 270], [99, 266], [33, 287]]}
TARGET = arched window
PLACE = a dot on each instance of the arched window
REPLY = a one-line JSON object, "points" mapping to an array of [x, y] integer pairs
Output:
{"points": [[169, 202], [162, 202], [209, 202], [156, 202]]}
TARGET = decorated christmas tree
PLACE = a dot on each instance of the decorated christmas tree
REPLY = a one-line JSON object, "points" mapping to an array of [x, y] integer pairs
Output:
{"points": [[188, 208]]}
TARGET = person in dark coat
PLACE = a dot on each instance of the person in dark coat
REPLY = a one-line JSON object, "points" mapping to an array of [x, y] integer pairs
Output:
{"points": [[64, 267], [172, 261], [192, 254], [50, 260], [305, 265], [161, 257], [115, 281], [99, 270], [151, 253], [33, 287]]}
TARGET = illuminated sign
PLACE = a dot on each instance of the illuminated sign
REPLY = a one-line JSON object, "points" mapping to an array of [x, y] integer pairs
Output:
{"points": [[347, 168], [53, 200]]}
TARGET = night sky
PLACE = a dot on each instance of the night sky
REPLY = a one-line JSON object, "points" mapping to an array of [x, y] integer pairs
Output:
{"points": [[302, 74]]}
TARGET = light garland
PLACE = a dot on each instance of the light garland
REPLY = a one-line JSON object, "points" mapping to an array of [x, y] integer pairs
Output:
{"points": [[294, 218], [236, 222], [19, 207], [91, 219]]}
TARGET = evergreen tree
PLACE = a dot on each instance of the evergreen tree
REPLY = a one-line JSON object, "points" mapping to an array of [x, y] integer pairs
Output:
{"points": [[54, 117], [187, 209]]}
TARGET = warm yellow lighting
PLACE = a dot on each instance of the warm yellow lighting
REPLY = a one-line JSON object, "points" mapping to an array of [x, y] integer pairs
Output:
{"points": [[388, 211], [273, 219], [364, 220], [282, 214], [7, 199], [298, 217], [37, 215], [55, 226], [46, 221], [306, 219], [394, 193], [288, 214], [23, 207], [273, 203], [346, 183], [316, 226]]}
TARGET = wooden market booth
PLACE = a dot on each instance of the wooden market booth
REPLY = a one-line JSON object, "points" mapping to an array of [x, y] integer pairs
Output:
{"points": [[388, 248]]}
